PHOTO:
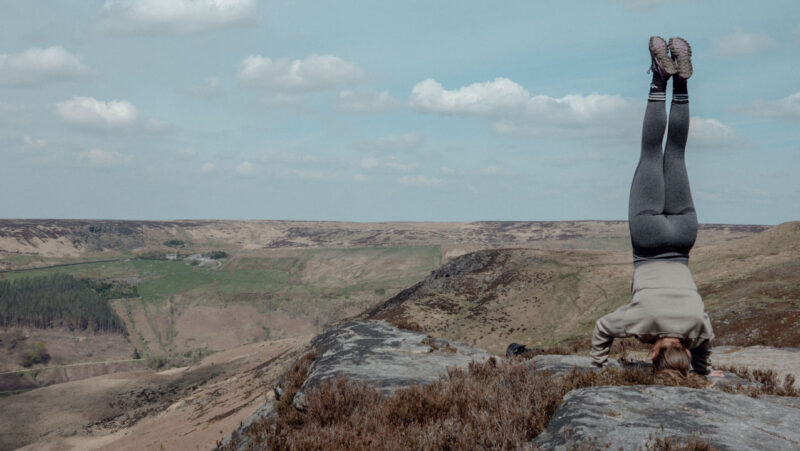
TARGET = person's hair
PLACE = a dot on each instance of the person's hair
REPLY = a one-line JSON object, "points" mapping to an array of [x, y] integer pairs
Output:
{"points": [[672, 357]]}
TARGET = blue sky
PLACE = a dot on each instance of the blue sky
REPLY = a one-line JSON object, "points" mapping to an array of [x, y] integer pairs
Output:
{"points": [[385, 111]]}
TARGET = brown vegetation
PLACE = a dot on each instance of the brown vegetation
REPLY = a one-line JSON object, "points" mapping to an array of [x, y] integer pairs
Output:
{"points": [[770, 384], [493, 405]]}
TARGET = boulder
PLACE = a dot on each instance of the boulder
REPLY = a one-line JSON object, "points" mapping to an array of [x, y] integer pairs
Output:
{"points": [[384, 356], [783, 361], [624, 417]]}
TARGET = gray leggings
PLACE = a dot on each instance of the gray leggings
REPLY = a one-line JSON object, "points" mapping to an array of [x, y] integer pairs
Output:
{"points": [[661, 215]]}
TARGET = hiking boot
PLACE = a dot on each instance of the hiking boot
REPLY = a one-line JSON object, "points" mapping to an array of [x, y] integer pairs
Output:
{"points": [[662, 64], [682, 55]]}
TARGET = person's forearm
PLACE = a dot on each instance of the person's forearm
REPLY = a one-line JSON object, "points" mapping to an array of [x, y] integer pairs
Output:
{"points": [[601, 343], [701, 358]]}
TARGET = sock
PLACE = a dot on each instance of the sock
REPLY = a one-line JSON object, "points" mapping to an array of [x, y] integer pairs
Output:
{"points": [[658, 89], [680, 93]]}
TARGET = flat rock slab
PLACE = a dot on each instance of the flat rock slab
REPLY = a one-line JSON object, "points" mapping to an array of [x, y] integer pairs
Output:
{"points": [[625, 417], [560, 365], [384, 356], [781, 360]]}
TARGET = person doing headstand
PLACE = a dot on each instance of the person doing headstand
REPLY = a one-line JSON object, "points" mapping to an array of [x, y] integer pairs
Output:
{"points": [[666, 310]]}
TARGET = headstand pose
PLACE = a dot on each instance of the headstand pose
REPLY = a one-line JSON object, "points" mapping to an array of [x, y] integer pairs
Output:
{"points": [[666, 310]]}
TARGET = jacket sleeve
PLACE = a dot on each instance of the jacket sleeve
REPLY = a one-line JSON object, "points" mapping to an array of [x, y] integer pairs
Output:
{"points": [[701, 357], [606, 329]]}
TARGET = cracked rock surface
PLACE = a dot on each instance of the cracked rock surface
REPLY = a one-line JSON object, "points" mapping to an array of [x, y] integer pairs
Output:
{"points": [[380, 354], [626, 416]]}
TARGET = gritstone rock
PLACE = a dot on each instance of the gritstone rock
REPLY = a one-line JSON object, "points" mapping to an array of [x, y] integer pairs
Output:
{"points": [[783, 361], [626, 416], [384, 356]]}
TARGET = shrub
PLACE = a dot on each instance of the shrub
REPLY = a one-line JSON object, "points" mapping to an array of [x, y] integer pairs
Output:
{"points": [[35, 354], [496, 404], [174, 243], [770, 384], [157, 362], [405, 323], [216, 255]]}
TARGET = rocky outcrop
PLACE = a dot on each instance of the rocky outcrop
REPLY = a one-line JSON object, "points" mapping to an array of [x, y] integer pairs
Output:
{"points": [[626, 417], [783, 361], [384, 356], [559, 365]]}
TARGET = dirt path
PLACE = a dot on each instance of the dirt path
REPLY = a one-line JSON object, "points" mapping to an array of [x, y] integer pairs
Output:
{"points": [[40, 369], [59, 265]]}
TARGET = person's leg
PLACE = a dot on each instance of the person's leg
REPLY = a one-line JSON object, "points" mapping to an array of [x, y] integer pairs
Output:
{"points": [[678, 204], [646, 202]]}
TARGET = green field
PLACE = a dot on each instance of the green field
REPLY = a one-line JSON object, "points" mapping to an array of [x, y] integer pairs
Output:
{"points": [[313, 285]]}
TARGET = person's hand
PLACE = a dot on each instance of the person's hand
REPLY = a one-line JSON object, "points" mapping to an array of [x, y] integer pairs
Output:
{"points": [[715, 373]]}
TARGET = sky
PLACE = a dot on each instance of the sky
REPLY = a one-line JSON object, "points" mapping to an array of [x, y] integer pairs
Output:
{"points": [[386, 111]]}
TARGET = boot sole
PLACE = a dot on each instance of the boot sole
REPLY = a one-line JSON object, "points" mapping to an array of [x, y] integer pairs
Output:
{"points": [[659, 51], [683, 56]]}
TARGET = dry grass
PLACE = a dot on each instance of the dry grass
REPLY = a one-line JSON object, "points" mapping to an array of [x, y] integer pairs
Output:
{"points": [[770, 384], [492, 405], [405, 323], [658, 443]]}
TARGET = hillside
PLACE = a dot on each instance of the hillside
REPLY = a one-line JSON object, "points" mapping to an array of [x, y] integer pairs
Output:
{"points": [[546, 298], [281, 279], [205, 317], [31, 243]]}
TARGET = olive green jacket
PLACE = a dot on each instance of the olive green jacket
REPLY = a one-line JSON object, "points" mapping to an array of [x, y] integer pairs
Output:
{"points": [[665, 304]]}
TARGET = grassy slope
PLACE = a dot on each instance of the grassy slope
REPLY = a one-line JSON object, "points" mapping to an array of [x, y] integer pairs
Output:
{"points": [[310, 286], [546, 298]]}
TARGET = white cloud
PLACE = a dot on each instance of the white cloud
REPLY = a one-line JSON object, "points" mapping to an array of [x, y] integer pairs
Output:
{"points": [[571, 158], [512, 110], [294, 158], [368, 101], [186, 154], [740, 43], [209, 87], [369, 163], [419, 180], [390, 142], [38, 65], [103, 159], [711, 133], [92, 113], [447, 170], [207, 167], [177, 16], [30, 143], [390, 163], [13, 115], [360, 178], [157, 125], [495, 170], [786, 108], [245, 168], [309, 174], [500, 96], [314, 73]]}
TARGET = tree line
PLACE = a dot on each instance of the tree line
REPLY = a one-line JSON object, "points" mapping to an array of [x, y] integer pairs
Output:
{"points": [[57, 300]]}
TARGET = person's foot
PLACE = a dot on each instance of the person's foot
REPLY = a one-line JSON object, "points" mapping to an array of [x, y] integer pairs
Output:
{"points": [[682, 55], [662, 64]]}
